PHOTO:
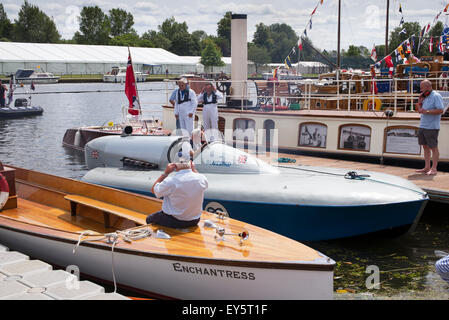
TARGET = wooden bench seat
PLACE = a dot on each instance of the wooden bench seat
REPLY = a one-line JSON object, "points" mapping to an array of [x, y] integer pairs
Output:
{"points": [[107, 209]]}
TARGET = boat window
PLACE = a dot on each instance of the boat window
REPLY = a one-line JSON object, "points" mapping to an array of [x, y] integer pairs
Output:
{"points": [[312, 134], [354, 137], [24, 73], [244, 129]]}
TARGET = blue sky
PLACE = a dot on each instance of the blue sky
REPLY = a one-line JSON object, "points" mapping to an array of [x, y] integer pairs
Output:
{"points": [[363, 21]]}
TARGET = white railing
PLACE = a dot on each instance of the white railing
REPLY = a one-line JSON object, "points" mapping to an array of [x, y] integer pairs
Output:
{"points": [[310, 94]]}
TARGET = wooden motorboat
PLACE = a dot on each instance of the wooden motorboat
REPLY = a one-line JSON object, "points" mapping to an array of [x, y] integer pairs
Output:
{"points": [[48, 217]]}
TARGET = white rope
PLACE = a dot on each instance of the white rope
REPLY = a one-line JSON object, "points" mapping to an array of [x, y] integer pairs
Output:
{"points": [[112, 238]]}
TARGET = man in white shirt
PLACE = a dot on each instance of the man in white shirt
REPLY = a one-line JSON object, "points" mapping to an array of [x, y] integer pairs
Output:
{"points": [[209, 98], [185, 102], [183, 196]]}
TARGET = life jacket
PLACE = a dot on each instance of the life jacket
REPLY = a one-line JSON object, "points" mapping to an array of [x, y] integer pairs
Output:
{"points": [[214, 98], [186, 97]]}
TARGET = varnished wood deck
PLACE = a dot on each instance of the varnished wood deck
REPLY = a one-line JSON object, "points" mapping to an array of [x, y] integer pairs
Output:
{"points": [[436, 186], [44, 212]]}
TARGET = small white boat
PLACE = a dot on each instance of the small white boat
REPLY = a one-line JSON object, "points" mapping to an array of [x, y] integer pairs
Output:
{"points": [[26, 76], [118, 75]]}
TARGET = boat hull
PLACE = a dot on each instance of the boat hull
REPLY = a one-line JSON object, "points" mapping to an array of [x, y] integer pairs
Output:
{"points": [[318, 223], [37, 80], [18, 112], [183, 278]]}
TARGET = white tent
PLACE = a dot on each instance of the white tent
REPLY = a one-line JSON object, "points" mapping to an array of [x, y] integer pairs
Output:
{"points": [[87, 59]]}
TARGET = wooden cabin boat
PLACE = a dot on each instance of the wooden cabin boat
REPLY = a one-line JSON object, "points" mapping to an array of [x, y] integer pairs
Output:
{"points": [[48, 217], [77, 138]]}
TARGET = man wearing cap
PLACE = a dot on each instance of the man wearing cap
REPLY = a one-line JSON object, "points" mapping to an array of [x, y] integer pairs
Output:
{"points": [[209, 98], [183, 194], [431, 107], [185, 102]]}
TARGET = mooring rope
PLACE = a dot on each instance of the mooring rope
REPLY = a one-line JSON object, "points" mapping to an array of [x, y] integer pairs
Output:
{"points": [[355, 176], [113, 238]]}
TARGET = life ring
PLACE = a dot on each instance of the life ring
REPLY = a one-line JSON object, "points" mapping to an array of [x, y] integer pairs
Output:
{"points": [[367, 104], [4, 191]]}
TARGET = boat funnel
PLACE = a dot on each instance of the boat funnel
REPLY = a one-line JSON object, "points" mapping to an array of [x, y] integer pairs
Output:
{"points": [[239, 57]]}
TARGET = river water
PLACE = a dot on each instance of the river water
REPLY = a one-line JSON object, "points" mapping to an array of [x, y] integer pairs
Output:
{"points": [[405, 264]]}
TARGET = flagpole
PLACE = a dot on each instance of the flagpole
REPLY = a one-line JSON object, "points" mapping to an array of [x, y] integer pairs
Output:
{"points": [[338, 41], [386, 29]]}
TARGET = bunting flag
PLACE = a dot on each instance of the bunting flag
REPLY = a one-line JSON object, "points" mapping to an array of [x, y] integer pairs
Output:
{"points": [[310, 24], [300, 44], [275, 73], [313, 12], [446, 8], [398, 56], [407, 44], [390, 65], [321, 2], [404, 31], [431, 44], [374, 53], [401, 22], [412, 43], [288, 62], [400, 50]]}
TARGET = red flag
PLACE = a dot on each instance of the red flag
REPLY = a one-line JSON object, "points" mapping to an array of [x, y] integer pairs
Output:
{"points": [[300, 44], [390, 65], [431, 44], [130, 89], [314, 10]]}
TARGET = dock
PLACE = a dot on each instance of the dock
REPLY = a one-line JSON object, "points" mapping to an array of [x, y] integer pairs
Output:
{"points": [[25, 279], [436, 186]]}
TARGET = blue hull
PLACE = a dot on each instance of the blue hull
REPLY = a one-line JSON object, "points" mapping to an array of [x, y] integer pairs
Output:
{"points": [[316, 223]]}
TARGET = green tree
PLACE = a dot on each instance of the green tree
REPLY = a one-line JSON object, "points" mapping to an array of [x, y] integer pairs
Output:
{"points": [[353, 51], [129, 39], [5, 24], [284, 39], [121, 22], [157, 39], [33, 25], [262, 36], [223, 40], [258, 55], [170, 28], [94, 27], [211, 55], [396, 37]]}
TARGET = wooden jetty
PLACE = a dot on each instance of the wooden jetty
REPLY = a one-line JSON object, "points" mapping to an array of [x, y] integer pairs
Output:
{"points": [[25, 279], [436, 186]]}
